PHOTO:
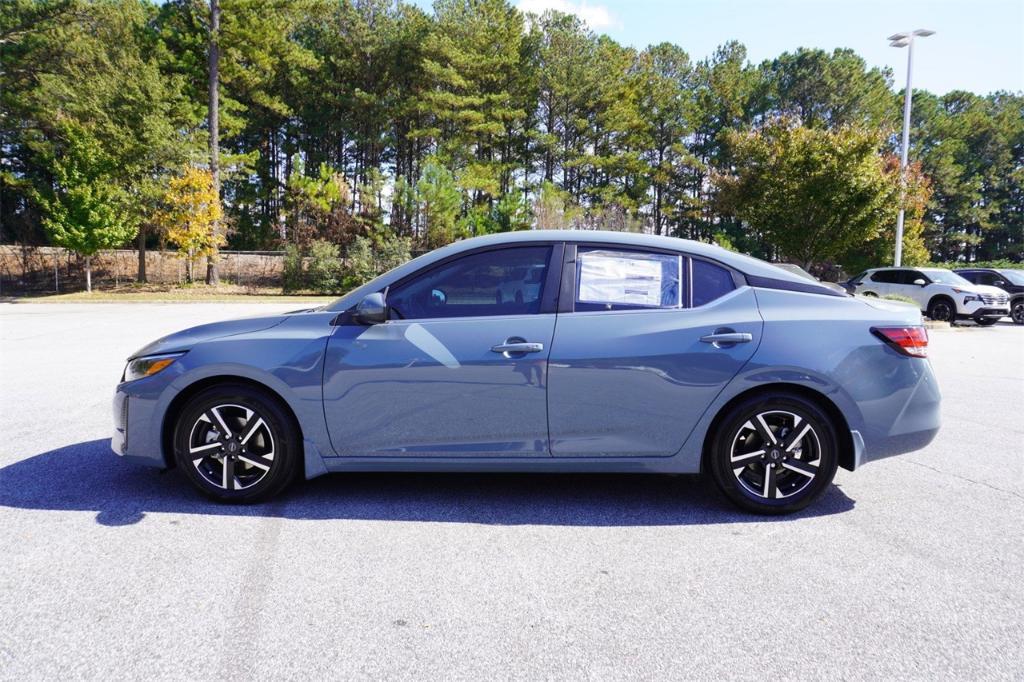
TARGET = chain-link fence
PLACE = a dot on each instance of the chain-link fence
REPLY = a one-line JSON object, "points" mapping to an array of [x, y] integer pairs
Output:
{"points": [[39, 269]]}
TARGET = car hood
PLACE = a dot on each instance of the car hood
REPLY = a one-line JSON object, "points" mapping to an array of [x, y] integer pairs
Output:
{"points": [[986, 289], [187, 338]]}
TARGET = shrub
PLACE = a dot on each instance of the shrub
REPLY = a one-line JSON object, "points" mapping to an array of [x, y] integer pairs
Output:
{"points": [[369, 257], [324, 267], [318, 270], [292, 276]]}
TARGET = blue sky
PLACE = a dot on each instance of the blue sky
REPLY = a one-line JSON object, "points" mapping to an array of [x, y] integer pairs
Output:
{"points": [[978, 45]]}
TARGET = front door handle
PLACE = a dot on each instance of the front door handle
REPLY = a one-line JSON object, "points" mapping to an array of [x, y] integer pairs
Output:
{"points": [[517, 347], [727, 337]]}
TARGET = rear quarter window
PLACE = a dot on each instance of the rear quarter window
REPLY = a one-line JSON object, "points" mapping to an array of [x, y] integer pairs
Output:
{"points": [[710, 282]]}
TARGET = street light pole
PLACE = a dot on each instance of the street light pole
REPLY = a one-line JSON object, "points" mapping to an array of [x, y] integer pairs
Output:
{"points": [[905, 40]]}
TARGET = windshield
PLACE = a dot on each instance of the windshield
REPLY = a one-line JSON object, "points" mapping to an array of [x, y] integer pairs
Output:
{"points": [[1014, 276], [946, 277]]}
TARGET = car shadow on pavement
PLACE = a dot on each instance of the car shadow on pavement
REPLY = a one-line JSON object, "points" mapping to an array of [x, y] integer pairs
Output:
{"points": [[88, 477]]}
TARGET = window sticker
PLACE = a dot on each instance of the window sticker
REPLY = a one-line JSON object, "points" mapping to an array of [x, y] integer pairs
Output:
{"points": [[619, 278]]}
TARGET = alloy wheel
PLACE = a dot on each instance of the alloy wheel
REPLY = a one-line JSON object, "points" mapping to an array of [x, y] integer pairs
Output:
{"points": [[231, 446], [941, 312], [1018, 312], [775, 455]]}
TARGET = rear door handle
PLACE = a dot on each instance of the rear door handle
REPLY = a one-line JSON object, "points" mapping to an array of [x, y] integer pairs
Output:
{"points": [[518, 347], [727, 338]]}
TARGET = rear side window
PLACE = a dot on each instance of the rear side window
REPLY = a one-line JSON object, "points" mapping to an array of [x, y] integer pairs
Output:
{"points": [[710, 281], [611, 279]]}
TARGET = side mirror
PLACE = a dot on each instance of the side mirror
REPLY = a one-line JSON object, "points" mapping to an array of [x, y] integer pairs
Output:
{"points": [[372, 309], [998, 283], [920, 282]]}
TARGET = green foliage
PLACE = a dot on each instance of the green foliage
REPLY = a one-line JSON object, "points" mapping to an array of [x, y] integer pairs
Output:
{"points": [[367, 258], [814, 194], [317, 267], [1000, 264], [86, 210], [474, 118], [439, 201]]}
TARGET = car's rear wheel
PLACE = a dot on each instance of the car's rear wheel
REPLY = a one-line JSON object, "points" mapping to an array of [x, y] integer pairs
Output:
{"points": [[1017, 312], [236, 444], [774, 454]]}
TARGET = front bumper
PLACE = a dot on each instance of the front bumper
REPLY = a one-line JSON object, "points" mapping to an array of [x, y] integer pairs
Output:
{"points": [[119, 438], [136, 433], [987, 312]]}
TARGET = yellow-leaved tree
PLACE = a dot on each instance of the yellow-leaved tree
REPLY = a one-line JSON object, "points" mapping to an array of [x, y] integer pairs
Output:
{"points": [[190, 210]]}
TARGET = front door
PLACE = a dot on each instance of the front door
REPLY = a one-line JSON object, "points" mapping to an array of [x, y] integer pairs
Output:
{"points": [[459, 369]]}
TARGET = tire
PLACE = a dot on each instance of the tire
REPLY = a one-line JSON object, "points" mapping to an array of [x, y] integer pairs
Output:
{"points": [[986, 321], [942, 309], [237, 444], [870, 294], [1017, 311], [780, 479]]}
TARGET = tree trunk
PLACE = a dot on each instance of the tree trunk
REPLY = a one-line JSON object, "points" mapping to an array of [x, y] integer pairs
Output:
{"points": [[88, 274], [141, 276], [212, 275]]}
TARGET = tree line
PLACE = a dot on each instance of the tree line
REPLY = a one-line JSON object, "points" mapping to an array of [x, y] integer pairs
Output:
{"points": [[376, 126]]}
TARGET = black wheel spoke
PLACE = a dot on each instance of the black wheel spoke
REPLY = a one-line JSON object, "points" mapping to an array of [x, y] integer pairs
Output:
{"points": [[801, 467], [763, 430], [795, 436]]}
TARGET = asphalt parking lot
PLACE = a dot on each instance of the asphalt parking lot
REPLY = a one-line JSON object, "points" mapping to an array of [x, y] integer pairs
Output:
{"points": [[912, 567]]}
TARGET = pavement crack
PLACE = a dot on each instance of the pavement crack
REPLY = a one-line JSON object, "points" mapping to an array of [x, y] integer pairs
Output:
{"points": [[965, 478]]}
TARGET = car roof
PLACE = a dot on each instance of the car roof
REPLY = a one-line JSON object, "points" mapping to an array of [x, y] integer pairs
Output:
{"points": [[747, 265]]}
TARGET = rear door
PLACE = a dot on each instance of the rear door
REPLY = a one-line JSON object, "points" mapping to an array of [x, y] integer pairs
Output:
{"points": [[634, 363]]}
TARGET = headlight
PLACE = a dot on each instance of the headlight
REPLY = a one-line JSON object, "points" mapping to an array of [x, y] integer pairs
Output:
{"points": [[148, 366], [968, 299]]}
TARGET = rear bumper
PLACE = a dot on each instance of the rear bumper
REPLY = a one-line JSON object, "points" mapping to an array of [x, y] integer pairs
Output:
{"points": [[914, 426]]}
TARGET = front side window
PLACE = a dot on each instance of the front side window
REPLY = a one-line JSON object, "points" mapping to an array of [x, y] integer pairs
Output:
{"points": [[710, 281], [611, 279], [886, 276], [500, 282]]}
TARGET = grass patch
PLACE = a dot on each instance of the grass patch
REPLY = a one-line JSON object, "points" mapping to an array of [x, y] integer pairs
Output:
{"points": [[163, 293], [901, 299]]}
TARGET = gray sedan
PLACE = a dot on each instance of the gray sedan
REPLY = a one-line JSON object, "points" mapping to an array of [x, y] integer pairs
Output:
{"points": [[544, 351]]}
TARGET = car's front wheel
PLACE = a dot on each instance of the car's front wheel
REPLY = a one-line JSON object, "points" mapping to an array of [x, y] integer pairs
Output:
{"points": [[236, 444], [774, 453], [941, 309]]}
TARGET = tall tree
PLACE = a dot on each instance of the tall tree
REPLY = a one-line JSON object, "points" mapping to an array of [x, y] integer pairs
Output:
{"points": [[815, 194], [86, 210], [213, 125]]}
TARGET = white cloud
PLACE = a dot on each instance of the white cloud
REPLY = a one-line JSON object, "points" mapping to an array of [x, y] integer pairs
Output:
{"points": [[594, 16]]}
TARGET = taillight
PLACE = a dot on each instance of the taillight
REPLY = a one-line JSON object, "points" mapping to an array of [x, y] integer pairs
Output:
{"points": [[912, 341]]}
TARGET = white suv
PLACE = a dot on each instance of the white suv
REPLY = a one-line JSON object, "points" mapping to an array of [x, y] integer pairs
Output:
{"points": [[941, 294]]}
